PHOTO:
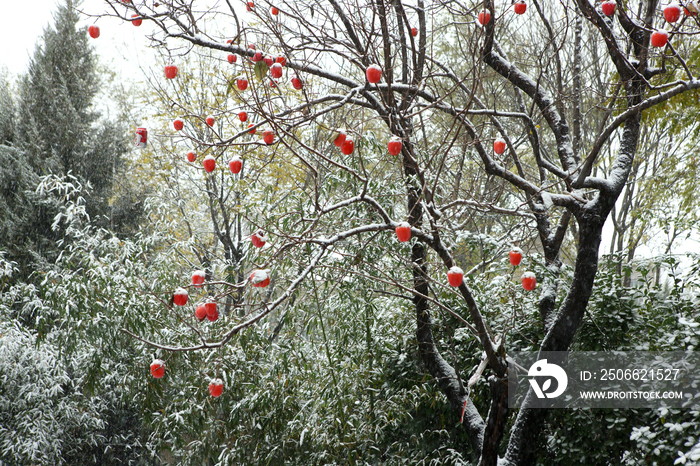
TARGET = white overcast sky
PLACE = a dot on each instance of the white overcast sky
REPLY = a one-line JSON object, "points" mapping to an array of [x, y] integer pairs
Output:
{"points": [[118, 41], [20, 31]]}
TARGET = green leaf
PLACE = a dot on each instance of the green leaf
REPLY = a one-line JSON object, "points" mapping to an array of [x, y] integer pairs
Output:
{"points": [[261, 70], [334, 135]]}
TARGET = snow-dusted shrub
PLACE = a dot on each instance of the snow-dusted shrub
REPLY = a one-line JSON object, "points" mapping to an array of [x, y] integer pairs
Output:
{"points": [[40, 407]]}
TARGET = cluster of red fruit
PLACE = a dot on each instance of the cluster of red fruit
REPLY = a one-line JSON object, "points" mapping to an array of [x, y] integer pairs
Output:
{"points": [[216, 386], [236, 163], [347, 143], [209, 163], [672, 13], [519, 7], [209, 308], [276, 71], [340, 138], [455, 276], [528, 279]]}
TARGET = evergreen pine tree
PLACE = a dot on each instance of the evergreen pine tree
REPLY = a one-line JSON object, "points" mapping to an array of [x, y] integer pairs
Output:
{"points": [[53, 128], [7, 110], [18, 213], [58, 127]]}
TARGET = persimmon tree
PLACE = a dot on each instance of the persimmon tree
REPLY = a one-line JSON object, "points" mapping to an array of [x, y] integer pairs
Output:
{"points": [[449, 87]]}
